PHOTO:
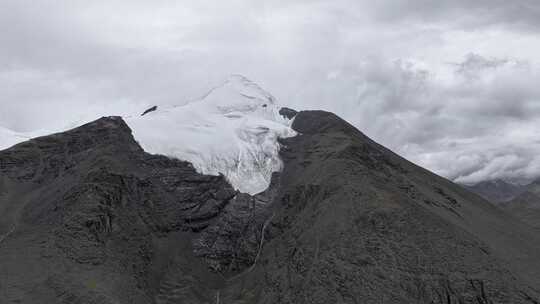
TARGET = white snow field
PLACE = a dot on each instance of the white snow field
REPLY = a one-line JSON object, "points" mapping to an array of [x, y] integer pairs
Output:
{"points": [[232, 130]]}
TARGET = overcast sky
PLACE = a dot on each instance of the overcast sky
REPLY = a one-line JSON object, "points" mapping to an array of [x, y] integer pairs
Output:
{"points": [[453, 85]]}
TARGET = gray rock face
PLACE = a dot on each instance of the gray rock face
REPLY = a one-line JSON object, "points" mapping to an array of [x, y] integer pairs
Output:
{"points": [[287, 112], [88, 217]]}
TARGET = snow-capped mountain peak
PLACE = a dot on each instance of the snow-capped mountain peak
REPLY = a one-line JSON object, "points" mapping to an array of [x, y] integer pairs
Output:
{"points": [[239, 85], [232, 130]]}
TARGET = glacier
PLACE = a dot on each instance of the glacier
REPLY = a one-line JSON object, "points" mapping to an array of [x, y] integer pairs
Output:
{"points": [[232, 130]]}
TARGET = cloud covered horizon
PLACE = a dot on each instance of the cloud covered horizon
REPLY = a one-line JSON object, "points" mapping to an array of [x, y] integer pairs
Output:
{"points": [[450, 85]]}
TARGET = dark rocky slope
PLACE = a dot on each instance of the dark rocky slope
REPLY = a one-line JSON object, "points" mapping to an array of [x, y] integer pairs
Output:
{"points": [[355, 223], [88, 217]]}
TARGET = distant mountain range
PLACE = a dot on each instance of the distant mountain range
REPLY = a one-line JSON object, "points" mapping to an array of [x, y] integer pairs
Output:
{"points": [[522, 201], [497, 191], [526, 206]]}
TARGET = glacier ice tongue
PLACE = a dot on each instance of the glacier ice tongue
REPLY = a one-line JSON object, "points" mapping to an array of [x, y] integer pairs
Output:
{"points": [[232, 130]]}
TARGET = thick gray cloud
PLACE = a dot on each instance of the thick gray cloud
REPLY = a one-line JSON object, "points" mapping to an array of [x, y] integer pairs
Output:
{"points": [[519, 14], [451, 85], [468, 128]]}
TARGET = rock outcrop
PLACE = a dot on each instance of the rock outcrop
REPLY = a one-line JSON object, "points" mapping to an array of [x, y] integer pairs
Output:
{"points": [[288, 113], [149, 110]]}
